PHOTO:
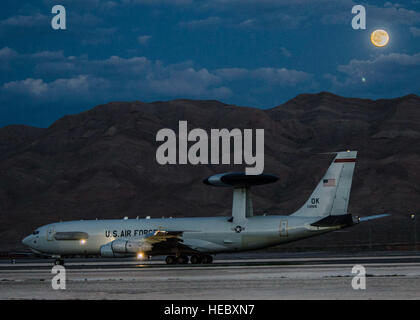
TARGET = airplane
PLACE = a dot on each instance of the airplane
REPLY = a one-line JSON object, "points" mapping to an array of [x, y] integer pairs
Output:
{"points": [[196, 239]]}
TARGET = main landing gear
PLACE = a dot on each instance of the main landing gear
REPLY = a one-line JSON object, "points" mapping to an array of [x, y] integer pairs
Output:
{"points": [[59, 262], [182, 259], [195, 259], [205, 259]]}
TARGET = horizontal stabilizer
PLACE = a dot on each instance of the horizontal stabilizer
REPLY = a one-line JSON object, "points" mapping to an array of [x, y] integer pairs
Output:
{"points": [[331, 221], [378, 216]]}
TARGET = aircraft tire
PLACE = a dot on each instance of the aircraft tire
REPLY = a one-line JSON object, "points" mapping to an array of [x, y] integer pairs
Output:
{"points": [[207, 259], [195, 259], [170, 260], [182, 259]]}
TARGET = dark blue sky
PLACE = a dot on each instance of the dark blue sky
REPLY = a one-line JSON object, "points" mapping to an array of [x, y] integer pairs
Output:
{"points": [[255, 53]]}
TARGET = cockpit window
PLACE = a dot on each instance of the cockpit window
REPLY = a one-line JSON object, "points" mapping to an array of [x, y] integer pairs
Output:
{"points": [[36, 232]]}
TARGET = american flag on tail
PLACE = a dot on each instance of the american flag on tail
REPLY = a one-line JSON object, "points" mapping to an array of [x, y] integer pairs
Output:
{"points": [[328, 182]]}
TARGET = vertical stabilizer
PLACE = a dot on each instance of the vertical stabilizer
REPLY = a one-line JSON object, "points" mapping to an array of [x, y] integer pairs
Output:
{"points": [[331, 196]]}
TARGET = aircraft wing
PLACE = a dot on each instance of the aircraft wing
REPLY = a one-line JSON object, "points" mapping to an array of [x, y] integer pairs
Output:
{"points": [[164, 240], [161, 236], [345, 220], [158, 243]]}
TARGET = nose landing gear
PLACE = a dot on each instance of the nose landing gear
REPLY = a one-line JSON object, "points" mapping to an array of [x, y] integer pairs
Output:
{"points": [[59, 262]]}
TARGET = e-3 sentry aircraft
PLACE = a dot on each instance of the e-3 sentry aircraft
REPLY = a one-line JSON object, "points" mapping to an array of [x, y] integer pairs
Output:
{"points": [[196, 239]]}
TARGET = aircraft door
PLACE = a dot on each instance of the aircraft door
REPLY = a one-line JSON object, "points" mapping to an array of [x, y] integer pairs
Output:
{"points": [[283, 228], [50, 233]]}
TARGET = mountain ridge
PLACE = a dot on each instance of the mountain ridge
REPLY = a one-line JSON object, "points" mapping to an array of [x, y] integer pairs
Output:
{"points": [[101, 163]]}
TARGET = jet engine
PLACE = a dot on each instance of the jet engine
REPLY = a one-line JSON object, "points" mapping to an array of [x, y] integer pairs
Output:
{"points": [[120, 247]]}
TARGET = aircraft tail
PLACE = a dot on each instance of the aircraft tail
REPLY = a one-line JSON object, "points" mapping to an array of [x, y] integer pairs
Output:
{"points": [[331, 196]]}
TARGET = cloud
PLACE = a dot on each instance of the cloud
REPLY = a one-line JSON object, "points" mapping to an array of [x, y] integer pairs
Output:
{"points": [[55, 76], [263, 4], [394, 73], [158, 2], [277, 76], [281, 75], [84, 20], [50, 55], [12, 61], [285, 52], [381, 63], [7, 53], [58, 88], [144, 39], [271, 14], [210, 21], [390, 4], [95, 36], [415, 31], [32, 86], [78, 23], [85, 4], [394, 14], [247, 23], [26, 21], [184, 81], [135, 76]]}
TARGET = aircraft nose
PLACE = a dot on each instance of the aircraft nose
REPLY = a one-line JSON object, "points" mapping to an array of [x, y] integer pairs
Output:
{"points": [[26, 241]]}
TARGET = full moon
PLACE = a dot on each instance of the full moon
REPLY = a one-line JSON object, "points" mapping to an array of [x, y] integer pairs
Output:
{"points": [[379, 38]]}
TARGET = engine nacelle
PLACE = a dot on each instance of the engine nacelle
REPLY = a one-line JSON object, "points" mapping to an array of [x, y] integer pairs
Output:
{"points": [[129, 246], [124, 247]]}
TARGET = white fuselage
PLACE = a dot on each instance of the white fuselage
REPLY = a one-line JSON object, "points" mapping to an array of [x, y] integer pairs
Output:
{"points": [[205, 235]]}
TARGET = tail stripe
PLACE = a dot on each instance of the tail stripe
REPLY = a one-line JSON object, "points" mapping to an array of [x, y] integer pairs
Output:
{"points": [[345, 160]]}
